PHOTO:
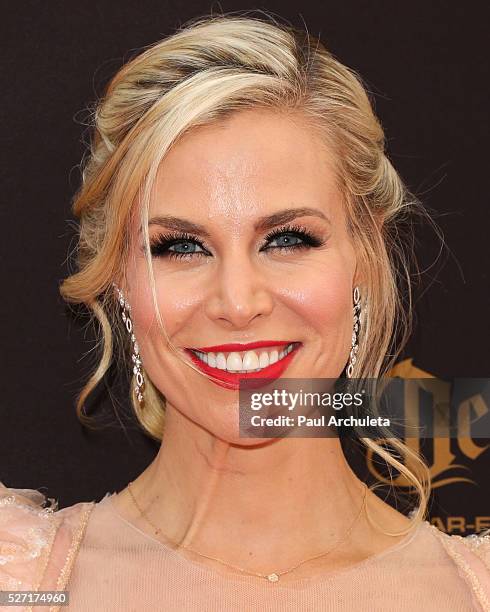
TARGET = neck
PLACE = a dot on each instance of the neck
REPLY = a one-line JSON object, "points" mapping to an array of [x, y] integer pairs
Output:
{"points": [[264, 506]]}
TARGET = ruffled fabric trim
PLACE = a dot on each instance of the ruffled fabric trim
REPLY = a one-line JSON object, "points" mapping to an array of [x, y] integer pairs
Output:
{"points": [[27, 529], [480, 545], [38, 542]]}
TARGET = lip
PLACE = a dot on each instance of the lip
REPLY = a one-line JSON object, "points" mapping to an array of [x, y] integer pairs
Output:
{"points": [[228, 348], [230, 380]]}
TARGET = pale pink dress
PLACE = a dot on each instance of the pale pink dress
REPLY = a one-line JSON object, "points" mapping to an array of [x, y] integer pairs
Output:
{"points": [[107, 564]]}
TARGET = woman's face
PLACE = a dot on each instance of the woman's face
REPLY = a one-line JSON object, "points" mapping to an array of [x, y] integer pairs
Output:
{"points": [[249, 244]]}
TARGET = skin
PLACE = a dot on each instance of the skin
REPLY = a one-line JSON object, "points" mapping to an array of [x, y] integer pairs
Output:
{"points": [[261, 505]]}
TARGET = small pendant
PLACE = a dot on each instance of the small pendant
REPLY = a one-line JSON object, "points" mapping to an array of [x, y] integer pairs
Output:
{"points": [[272, 577]]}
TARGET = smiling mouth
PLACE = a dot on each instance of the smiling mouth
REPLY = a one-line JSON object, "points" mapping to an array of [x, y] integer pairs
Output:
{"points": [[245, 362]]}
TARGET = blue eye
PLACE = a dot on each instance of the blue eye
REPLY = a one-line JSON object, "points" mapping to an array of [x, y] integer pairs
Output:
{"points": [[288, 240], [292, 238], [176, 247], [184, 247]]}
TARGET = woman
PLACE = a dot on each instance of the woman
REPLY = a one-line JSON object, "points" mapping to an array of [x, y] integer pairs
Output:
{"points": [[237, 193]]}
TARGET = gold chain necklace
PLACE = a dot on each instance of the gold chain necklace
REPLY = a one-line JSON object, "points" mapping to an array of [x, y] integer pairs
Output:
{"points": [[273, 577]]}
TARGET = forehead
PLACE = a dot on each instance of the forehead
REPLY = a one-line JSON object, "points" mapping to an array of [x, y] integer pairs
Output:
{"points": [[251, 163]]}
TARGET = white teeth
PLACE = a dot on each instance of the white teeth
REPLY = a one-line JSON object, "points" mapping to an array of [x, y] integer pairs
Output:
{"points": [[250, 361], [234, 362], [220, 361], [263, 360]]}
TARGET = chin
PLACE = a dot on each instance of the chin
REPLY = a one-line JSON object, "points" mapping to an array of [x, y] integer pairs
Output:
{"points": [[253, 441], [249, 442], [229, 432]]}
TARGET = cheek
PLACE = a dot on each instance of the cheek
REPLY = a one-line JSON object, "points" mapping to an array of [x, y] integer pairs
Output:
{"points": [[177, 302], [176, 305], [323, 301]]}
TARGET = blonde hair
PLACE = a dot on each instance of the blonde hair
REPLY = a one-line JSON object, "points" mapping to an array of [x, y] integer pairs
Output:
{"points": [[209, 69]]}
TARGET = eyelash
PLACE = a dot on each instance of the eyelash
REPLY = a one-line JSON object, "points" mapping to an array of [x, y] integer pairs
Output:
{"points": [[160, 244]]}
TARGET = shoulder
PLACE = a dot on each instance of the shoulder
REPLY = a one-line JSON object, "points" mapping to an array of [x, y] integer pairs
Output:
{"points": [[471, 555], [38, 542]]}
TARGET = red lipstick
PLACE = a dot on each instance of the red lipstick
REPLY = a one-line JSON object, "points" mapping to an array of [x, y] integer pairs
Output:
{"points": [[236, 346], [231, 380]]}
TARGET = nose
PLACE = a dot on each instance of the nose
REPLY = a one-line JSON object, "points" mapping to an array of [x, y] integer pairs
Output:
{"points": [[239, 293]]}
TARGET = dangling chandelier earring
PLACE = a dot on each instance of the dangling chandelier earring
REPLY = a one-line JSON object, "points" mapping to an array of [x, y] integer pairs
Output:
{"points": [[355, 332], [139, 386]]}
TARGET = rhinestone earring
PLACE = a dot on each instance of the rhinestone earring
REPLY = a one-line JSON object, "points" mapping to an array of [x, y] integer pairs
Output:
{"points": [[135, 356], [355, 332]]}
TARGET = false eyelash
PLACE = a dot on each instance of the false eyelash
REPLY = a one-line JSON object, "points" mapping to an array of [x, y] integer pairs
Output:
{"points": [[161, 242], [309, 240]]}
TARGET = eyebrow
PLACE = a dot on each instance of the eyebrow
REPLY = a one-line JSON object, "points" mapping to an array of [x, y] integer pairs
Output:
{"points": [[262, 224]]}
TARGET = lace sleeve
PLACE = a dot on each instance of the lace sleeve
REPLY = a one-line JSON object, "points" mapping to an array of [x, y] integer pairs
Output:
{"points": [[480, 545], [27, 531]]}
